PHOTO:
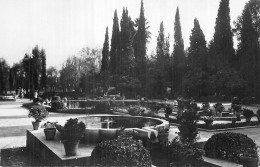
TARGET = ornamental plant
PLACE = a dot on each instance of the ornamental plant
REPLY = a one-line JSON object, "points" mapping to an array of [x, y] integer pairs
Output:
{"points": [[229, 146], [219, 108], [123, 151], [184, 153], [258, 115], [39, 113], [72, 130], [248, 113]]}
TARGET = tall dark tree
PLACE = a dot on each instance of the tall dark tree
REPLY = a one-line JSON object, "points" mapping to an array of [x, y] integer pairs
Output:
{"points": [[178, 56], [43, 69], [221, 49], [126, 61], [104, 72], [140, 48], [105, 54], [196, 80], [197, 52], [36, 58], [4, 76], [248, 51], [115, 46]]}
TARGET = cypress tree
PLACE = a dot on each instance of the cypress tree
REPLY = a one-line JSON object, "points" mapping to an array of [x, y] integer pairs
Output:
{"points": [[221, 50], [115, 46], [178, 56], [105, 54], [43, 71], [197, 52], [248, 52], [126, 65], [140, 48]]}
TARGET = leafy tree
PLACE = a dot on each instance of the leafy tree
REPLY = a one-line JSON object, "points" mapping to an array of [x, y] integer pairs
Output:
{"points": [[178, 56], [52, 78], [115, 46], [37, 67], [221, 48]]}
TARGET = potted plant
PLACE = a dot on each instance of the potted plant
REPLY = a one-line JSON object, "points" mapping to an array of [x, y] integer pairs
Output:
{"points": [[39, 113], [208, 120], [258, 115], [49, 130], [248, 114], [71, 133]]}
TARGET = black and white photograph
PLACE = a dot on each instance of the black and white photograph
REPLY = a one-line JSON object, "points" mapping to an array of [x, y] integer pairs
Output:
{"points": [[138, 83]]}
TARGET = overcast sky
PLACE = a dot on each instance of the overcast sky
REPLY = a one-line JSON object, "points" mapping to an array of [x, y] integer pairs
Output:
{"points": [[64, 27]]}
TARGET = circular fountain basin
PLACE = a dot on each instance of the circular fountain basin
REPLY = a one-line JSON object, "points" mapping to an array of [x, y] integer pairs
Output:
{"points": [[107, 127]]}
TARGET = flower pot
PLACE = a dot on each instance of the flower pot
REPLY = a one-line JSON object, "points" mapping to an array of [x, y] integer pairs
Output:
{"points": [[36, 125], [49, 133], [71, 147], [249, 160]]}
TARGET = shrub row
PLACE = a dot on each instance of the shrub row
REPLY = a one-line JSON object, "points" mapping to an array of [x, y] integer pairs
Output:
{"points": [[229, 125]]}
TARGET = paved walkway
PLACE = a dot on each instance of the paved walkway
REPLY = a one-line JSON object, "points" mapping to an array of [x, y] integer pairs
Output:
{"points": [[14, 121]]}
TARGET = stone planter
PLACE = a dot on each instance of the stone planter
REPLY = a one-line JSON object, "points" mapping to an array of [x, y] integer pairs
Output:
{"points": [[36, 125], [249, 160], [71, 147], [50, 133]]}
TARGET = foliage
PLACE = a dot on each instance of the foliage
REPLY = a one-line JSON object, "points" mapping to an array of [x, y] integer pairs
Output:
{"points": [[43, 69], [247, 100], [140, 40], [188, 127], [236, 108], [248, 113], [4, 75], [178, 55], [136, 110], [235, 100], [105, 54], [72, 130], [229, 146], [184, 153], [57, 104], [168, 110], [49, 124], [103, 107], [249, 50], [123, 151], [115, 46], [219, 107], [221, 49], [39, 113], [208, 120], [258, 113]]}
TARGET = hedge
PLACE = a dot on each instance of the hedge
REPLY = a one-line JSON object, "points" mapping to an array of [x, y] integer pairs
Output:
{"points": [[229, 146]]}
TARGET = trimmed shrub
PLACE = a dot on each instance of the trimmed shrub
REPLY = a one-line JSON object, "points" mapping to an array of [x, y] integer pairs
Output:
{"points": [[235, 100], [184, 153], [136, 110], [57, 105], [229, 146], [102, 108], [248, 113], [123, 151], [228, 125]]}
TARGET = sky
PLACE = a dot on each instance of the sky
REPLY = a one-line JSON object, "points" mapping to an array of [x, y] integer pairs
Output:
{"points": [[64, 27]]}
